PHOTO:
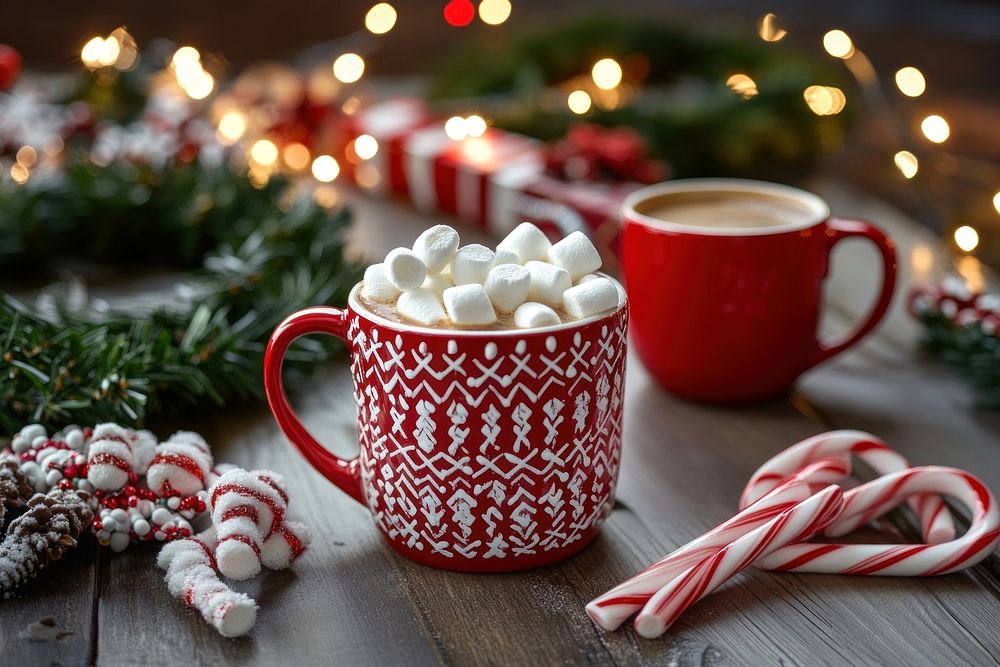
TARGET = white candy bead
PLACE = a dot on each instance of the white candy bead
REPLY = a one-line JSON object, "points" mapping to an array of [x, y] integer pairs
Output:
{"points": [[161, 515], [471, 264], [141, 527], [437, 283], [586, 278], [32, 431], [421, 306], [507, 286], [469, 305], [39, 441], [20, 444], [548, 282], [119, 515], [404, 269], [75, 439], [119, 542], [377, 286], [531, 314], [436, 247], [173, 502], [593, 296], [576, 254], [527, 242]]}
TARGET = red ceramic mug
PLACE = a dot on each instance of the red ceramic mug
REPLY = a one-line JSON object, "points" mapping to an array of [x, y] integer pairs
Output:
{"points": [[480, 451], [728, 313]]}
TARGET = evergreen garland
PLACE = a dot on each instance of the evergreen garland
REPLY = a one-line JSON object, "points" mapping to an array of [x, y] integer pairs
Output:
{"points": [[263, 255], [683, 108]]}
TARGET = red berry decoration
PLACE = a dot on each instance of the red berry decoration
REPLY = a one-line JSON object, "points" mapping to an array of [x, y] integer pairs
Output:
{"points": [[10, 66]]}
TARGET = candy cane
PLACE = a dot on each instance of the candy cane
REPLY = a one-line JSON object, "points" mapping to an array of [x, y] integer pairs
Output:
{"points": [[793, 525], [247, 509], [936, 523], [191, 577], [182, 464], [612, 608], [285, 545], [109, 459], [909, 560]]}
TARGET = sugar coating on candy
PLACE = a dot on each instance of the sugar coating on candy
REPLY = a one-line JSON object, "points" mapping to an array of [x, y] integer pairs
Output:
{"points": [[576, 254], [548, 282], [507, 286], [182, 464], [590, 298], [471, 264], [469, 305], [376, 286], [421, 306], [436, 247], [282, 548], [109, 459], [404, 269], [528, 242], [532, 314], [437, 283], [247, 508]]}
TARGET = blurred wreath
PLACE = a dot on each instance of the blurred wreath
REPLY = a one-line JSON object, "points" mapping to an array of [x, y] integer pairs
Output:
{"points": [[707, 103]]}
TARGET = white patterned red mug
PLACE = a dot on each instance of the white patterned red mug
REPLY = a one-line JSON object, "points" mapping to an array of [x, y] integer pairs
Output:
{"points": [[480, 451]]}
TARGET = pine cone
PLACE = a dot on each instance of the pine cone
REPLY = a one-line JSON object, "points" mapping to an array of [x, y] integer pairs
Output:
{"points": [[41, 535], [15, 488]]}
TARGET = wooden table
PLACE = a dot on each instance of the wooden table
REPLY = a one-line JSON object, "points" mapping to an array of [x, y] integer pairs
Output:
{"points": [[350, 600]]}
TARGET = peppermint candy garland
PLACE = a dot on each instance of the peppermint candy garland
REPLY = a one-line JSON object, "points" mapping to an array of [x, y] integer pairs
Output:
{"points": [[137, 490]]}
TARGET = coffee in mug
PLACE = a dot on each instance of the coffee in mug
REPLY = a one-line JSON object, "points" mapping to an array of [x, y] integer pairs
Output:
{"points": [[725, 284]]}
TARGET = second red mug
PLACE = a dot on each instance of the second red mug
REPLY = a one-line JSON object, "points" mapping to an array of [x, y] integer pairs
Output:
{"points": [[726, 313]]}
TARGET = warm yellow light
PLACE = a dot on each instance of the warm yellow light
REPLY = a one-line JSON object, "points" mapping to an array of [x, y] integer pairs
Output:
{"points": [[579, 102], [742, 85], [296, 156], [367, 176], [966, 238], [232, 125], [910, 82], [199, 85], [494, 12], [455, 128], [768, 28], [996, 202], [935, 128], [325, 168], [366, 146], [128, 52], [607, 73], [27, 156], [838, 44], [110, 48], [19, 173], [825, 100], [326, 196], [348, 68], [380, 18], [264, 152], [185, 56], [922, 260], [475, 125], [478, 150], [90, 54], [907, 163]]}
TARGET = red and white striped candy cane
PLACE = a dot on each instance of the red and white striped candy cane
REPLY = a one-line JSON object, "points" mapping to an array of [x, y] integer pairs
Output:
{"points": [[793, 525], [612, 608], [906, 560], [935, 521]]}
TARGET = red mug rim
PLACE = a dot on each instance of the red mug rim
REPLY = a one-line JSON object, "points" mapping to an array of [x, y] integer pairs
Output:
{"points": [[358, 308], [821, 210]]}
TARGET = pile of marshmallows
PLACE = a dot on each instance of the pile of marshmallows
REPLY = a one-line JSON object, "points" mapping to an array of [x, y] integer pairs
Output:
{"points": [[526, 275]]}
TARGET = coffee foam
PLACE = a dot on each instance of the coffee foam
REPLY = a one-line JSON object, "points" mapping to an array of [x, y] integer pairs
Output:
{"points": [[727, 209]]}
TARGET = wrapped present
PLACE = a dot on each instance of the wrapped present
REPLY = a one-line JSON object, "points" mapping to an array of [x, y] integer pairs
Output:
{"points": [[498, 179]]}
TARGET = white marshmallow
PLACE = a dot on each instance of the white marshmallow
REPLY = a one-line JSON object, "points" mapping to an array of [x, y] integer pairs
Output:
{"points": [[528, 242], [587, 278], [404, 269], [469, 305], [532, 314], [507, 286], [436, 246], [471, 264], [576, 254], [438, 283], [420, 306], [548, 282], [593, 296], [506, 256], [377, 286]]}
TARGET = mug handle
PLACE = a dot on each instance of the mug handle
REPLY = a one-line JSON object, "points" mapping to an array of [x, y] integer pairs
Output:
{"points": [[345, 473], [837, 230]]}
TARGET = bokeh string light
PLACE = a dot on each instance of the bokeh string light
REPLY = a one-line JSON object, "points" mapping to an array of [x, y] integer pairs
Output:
{"points": [[494, 12], [935, 128], [579, 102], [607, 73], [910, 81], [348, 67], [381, 18], [742, 85]]}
